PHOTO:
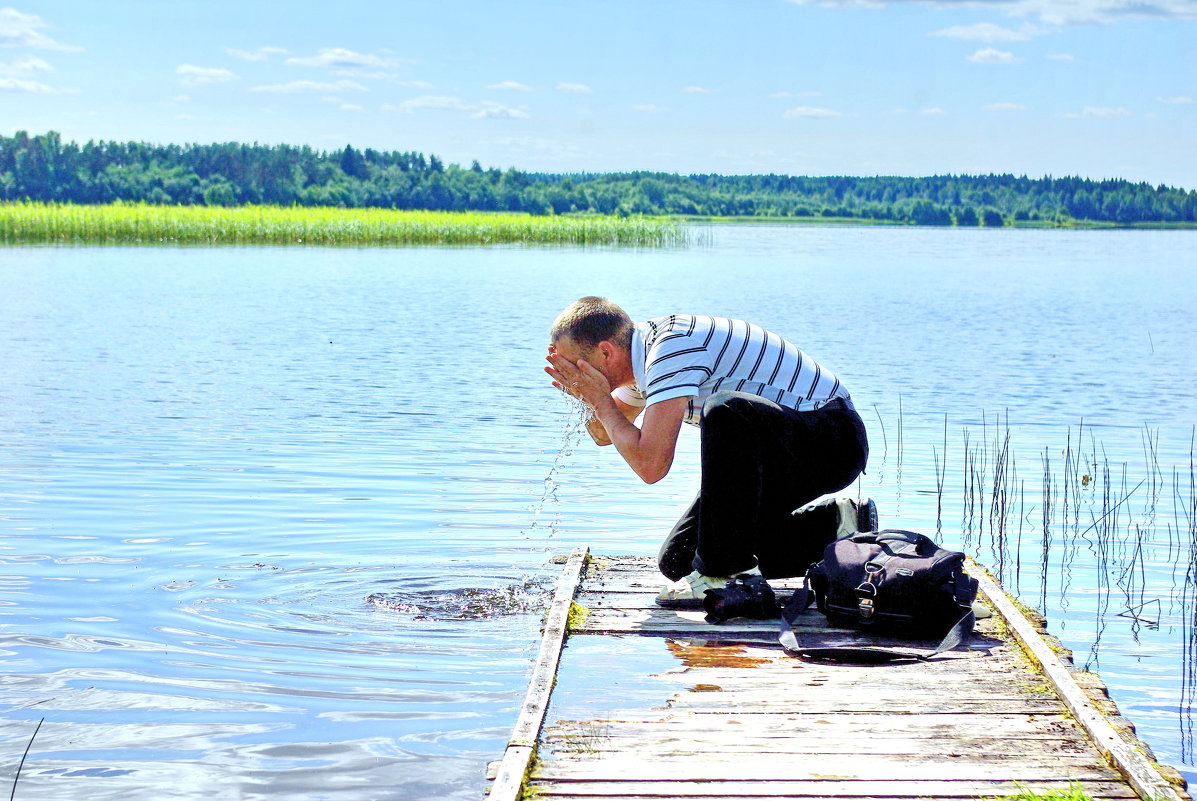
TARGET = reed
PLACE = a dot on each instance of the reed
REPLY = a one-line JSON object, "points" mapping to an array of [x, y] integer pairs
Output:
{"points": [[1099, 529], [128, 223], [1074, 793]]}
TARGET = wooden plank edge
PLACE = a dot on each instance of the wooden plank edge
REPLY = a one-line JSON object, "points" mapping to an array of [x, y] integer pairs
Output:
{"points": [[1138, 771], [517, 757]]}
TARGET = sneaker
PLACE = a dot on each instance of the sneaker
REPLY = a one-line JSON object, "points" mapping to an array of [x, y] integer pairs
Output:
{"points": [[689, 591], [855, 516]]}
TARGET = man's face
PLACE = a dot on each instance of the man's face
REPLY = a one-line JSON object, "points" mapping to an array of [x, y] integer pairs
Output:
{"points": [[603, 357], [572, 351]]}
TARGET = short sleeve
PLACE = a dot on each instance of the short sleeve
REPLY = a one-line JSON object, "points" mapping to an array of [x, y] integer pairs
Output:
{"points": [[630, 394]]}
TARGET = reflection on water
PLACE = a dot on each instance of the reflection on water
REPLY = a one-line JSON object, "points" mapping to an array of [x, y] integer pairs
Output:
{"points": [[276, 523]]}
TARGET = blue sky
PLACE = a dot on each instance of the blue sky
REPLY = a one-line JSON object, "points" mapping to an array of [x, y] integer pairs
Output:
{"points": [[1097, 88]]}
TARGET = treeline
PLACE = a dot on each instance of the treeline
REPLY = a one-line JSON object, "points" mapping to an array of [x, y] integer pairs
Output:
{"points": [[44, 168]]}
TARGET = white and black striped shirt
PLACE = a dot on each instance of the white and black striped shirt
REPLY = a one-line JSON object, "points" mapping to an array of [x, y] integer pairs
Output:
{"points": [[684, 355]]}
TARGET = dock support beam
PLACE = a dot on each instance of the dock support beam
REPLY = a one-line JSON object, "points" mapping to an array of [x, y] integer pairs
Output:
{"points": [[1137, 770], [518, 756]]}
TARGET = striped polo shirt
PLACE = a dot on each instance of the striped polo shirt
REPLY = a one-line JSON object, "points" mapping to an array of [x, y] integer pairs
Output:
{"points": [[684, 355]]}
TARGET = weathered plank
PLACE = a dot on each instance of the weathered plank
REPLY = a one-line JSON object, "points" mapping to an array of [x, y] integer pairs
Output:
{"points": [[873, 789], [858, 725], [768, 767], [781, 702], [694, 742]]}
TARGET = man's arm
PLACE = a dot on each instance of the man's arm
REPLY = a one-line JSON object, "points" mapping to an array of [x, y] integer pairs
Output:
{"points": [[649, 449], [595, 428]]}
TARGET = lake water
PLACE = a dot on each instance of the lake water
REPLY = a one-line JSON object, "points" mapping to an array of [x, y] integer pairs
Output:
{"points": [[276, 522]]}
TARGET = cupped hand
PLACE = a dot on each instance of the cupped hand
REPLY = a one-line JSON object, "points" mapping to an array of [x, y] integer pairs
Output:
{"points": [[579, 379]]}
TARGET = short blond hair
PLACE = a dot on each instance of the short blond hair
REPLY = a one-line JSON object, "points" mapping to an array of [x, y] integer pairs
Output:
{"points": [[591, 320]]}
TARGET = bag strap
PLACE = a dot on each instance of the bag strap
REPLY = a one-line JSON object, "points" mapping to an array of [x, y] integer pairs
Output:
{"points": [[792, 644]]}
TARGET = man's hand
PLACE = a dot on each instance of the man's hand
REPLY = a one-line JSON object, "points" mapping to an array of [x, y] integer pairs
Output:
{"points": [[578, 379], [647, 450], [557, 362]]}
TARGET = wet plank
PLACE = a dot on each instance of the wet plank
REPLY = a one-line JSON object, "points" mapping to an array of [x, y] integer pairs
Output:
{"points": [[875, 789]]}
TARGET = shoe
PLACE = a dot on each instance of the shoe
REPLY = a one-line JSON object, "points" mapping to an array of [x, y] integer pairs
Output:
{"points": [[855, 516], [689, 591]]}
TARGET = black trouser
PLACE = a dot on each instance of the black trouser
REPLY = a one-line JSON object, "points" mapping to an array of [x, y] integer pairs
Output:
{"points": [[760, 462]]}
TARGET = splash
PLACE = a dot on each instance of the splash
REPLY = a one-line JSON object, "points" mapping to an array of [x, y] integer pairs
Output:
{"points": [[530, 595], [573, 429]]}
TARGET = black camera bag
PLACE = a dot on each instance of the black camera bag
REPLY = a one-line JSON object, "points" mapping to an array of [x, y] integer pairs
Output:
{"points": [[897, 582]]}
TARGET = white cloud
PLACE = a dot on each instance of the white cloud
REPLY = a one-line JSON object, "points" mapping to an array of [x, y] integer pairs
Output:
{"points": [[990, 55], [181, 99], [783, 95], [1061, 57], [496, 111], [510, 86], [191, 75], [26, 87], [1051, 12], [294, 87], [444, 103], [576, 88], [810, 111], [25, 66], [374, 75], [340, 57], [648, 108], [988, 32], [695, 90], [1005, 107], [261, 54], [933, 111], [350, 107], [1098, 112], [24, 30], [185, 117], [1175, 100], [428, 102]]}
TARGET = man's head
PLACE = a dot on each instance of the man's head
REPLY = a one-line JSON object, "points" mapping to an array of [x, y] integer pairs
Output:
{"points": [[597, 330], [591, 320]]}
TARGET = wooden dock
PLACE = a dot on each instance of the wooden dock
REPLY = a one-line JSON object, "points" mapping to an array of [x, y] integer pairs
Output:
{"points": [[649, 703]]}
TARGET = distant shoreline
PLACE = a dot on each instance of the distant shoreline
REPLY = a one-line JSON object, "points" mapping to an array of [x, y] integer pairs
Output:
{"points": [[29, 223], [1044, 225], [44, 168]]}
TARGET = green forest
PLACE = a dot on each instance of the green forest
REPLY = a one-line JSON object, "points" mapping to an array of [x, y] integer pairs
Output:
{"points": [[45, 168]]}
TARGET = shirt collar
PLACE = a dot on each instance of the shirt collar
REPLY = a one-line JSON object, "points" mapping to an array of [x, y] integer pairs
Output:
{"points": [[638, 355]]}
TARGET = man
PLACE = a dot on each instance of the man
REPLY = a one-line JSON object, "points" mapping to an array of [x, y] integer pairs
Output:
{"points": [[777, 431]]}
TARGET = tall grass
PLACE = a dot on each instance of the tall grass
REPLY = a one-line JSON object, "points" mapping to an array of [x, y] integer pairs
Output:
{"points": [[126, 223]]}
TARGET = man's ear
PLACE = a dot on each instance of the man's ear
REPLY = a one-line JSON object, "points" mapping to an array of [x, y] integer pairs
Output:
{"points": [[607, 348]]}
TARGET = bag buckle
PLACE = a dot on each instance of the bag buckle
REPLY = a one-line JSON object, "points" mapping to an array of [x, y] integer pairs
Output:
{"points": [[868, 586], [868, 591]]}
